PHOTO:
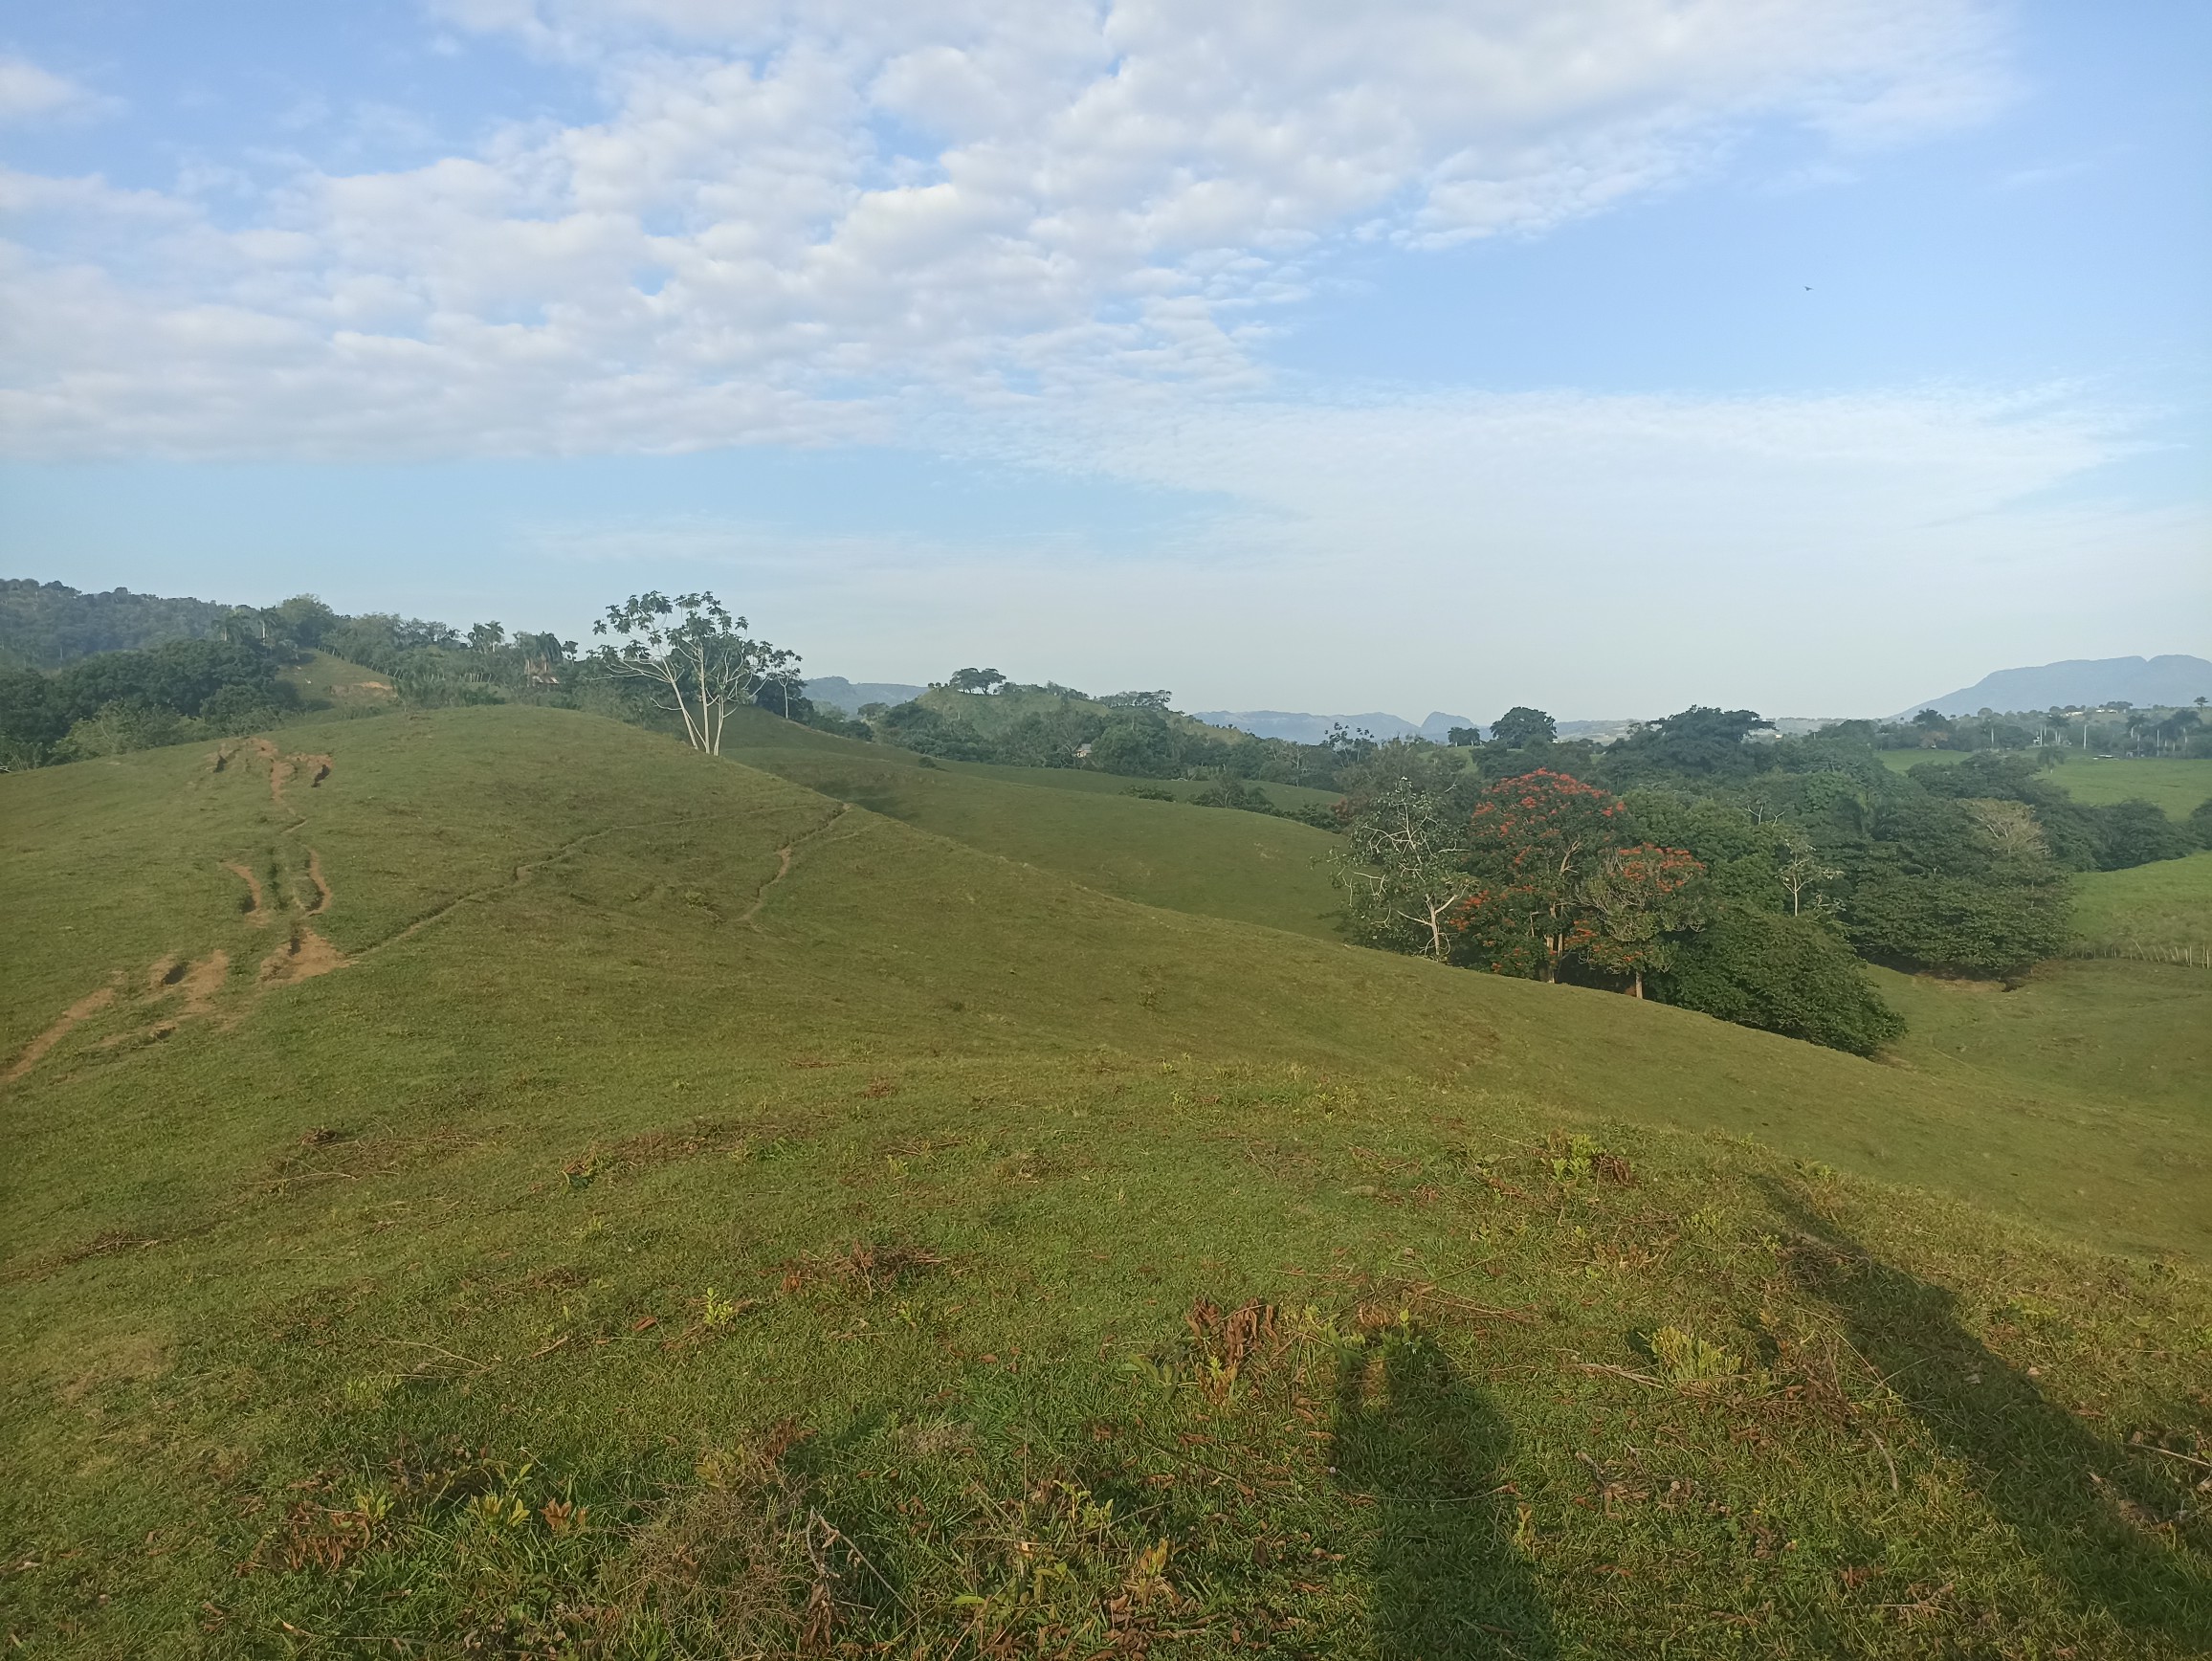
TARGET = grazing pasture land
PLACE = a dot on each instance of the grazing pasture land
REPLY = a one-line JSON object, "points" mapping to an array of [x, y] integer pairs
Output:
{"points": [[496, 1181], [2177, 786], [1217, 862], [2161, 911]]}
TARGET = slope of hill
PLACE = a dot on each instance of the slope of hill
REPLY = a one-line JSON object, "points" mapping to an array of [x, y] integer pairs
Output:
{"points": [[2156, 913], [1215, 863], [495, 1181], [2145, 682]]}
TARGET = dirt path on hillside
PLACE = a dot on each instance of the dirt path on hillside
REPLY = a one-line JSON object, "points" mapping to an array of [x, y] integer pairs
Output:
{"points": [[256, 910], [322, 894], [283, 768], [195, 989], [784, 863], [523, 871], [90, 1003]]}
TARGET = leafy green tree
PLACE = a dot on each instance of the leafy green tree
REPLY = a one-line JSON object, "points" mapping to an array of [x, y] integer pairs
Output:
{"points": [[50, 625], [982, 680], [125, 724], [1135, 742], [33, 718], [306, 620], [690, 654], [1520, 728], [1699, 742], [1635, 904], [1789, 975], [180, 676]]}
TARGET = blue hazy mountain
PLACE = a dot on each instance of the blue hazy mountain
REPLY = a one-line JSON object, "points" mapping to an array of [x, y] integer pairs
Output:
{"points": [[2144, 682]]}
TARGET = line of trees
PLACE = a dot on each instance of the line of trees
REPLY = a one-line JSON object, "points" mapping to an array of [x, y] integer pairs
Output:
{"points": [[1703, 864], [2116, 728]]}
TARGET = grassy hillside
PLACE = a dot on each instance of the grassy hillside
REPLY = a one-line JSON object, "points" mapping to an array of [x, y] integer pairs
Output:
{"points": [[1116, 784], [601, 1198], [2162, 910], [1216, 862], [346, 687]]}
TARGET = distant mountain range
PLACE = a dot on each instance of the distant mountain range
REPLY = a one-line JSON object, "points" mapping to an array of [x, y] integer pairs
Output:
{"points": [[838, 693], [2142, 681]]}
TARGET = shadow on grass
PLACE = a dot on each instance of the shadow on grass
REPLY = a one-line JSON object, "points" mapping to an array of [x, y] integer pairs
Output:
{"points": [[2085, 1510], [1427, 1447]]}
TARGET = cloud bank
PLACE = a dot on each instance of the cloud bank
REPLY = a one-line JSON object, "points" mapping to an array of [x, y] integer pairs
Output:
{"points": [[817, 222]]}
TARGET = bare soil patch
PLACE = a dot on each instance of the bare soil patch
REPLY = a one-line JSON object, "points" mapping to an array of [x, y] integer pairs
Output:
{"points": [[302, 957], [256, 910]]}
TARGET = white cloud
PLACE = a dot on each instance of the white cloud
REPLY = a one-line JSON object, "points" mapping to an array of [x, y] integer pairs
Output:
{"points": [[29, 93], [793, 219]]}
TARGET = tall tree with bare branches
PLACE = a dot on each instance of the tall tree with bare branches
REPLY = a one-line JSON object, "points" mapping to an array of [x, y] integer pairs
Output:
{"points": [[694, 655]]}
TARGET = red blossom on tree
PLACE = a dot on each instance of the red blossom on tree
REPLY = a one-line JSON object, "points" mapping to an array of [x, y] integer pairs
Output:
{"points": [[1636, 900], [1534, 840]]}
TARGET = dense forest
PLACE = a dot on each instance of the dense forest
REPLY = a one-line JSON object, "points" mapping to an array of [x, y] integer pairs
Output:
{"points": [[1700, 860], [47, 625]]}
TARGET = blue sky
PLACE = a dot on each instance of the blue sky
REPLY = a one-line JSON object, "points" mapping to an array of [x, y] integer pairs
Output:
{"points": [[1604, 354]]}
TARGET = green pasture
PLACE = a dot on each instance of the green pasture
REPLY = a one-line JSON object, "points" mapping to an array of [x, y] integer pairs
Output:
{"points": [[347, 688], [2158, 911], [2180, 786], [692, 1212], [2177, 785], [1114, 785], [1214, 861]]}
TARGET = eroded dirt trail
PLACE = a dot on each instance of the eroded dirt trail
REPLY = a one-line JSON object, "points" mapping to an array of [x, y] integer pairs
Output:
{"points": [[86, 1007], [302, 957], [322, 893], [177, 988], [256, 910], [783, 856]]}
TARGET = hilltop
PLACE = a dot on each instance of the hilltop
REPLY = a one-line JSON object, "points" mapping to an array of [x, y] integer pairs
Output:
{"points": [[493, 1178]]}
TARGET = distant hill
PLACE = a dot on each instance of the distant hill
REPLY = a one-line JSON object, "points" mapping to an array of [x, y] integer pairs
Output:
{"points": [[2142, 681], [1311, 729], [849, 696], [49, 625]]}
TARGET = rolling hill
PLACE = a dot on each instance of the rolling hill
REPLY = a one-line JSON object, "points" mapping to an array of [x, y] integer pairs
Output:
{"points": [[494, 1180]]}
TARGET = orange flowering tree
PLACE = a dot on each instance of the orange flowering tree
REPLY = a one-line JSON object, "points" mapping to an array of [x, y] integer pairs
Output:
{"points": [[1635, 902], [1532, 842]]}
